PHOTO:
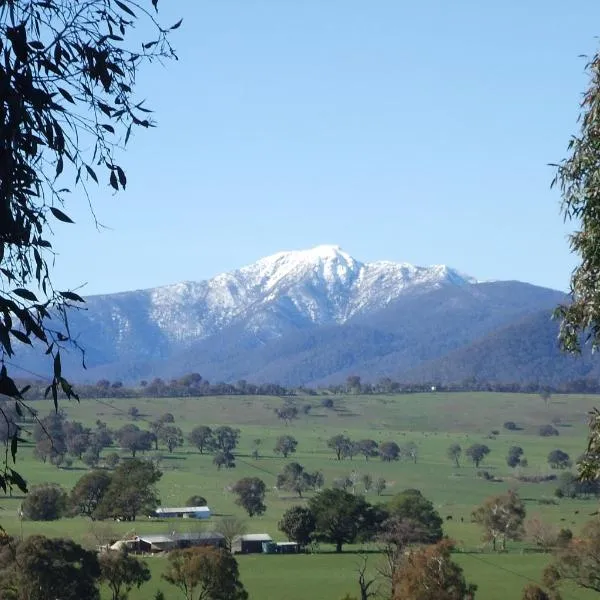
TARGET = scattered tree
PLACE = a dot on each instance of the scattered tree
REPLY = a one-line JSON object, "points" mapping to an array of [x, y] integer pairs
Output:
{"points": [[298, 524], [224, 459], [365, 583], [134, 439], [380, 485], [411, 506], [410, 450], [454, 453], [226, 438], [230, 528], [295, 479], [255, 448], [477, 452], [122, 572], [542, 534], [340, 517], [327, 403], [89, 492], [548, 431], [510, 425], [251, 495], [171, 437], [287, 413], [196, 501], [367, 481], [395, 535], [285, 445], [202, 438], [214, 572], [514, 456], [339, 444], [502, 518], [389, 451], [558, 459], [90, 458], [133, 412], [578, 562], [132, 491], [368, 448], [429, 573]]}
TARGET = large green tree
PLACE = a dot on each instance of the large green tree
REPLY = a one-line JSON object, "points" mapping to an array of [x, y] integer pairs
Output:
{"points": [[88, 493], [45, 502], [298, 524], [40, 568], [340, 517], [122, 572], [250, 493], [132, 491], [205, 574], [68, 106], [411, 506]]}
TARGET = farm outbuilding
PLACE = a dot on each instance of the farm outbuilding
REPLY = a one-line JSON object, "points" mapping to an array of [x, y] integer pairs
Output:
{"points": [[287, 548], [164, 543], [251, 543], [182, 512]]}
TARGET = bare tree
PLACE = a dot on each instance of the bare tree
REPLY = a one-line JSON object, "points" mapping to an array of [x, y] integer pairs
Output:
{"points": [[366, 583], [230, 528], [395, 536]]}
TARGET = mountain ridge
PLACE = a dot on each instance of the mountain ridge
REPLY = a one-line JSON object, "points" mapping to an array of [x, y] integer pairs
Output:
{"points": [[307, 316]]}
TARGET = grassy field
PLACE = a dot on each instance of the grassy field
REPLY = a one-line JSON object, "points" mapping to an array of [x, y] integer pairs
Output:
{"points": [[432, 421]]}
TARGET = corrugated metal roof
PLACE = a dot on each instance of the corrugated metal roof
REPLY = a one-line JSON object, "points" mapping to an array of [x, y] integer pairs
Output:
{"points": [[182, 509], [189, 537], [156, 538], [255, 537]]}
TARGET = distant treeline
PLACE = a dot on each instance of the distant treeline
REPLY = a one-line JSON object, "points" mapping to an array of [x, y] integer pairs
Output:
{"points": [[194, 384]]}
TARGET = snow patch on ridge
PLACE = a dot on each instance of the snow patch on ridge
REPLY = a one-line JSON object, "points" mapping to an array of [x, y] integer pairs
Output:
{"points": [[295, 289]]}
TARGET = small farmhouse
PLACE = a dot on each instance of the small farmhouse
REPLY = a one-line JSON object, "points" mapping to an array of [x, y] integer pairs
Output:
{"points": [[182, 512], [251, 543], [153, 543]]}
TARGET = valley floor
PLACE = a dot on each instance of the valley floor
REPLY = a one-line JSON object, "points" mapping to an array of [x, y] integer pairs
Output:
{"points": [[431, 421]]}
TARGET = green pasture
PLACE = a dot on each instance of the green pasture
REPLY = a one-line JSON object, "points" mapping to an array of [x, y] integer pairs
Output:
{"points": [[432, 421]]}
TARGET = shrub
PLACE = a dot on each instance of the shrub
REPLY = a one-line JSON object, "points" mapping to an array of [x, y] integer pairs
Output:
{"points": [[558, 459], [536, 478], [564, 537], [45, 502], [196, 501], [547, 431], [510, 425]]}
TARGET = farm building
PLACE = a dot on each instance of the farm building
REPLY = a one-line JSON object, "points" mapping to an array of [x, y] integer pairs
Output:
{"points": [[183, 512], [163, 543], [287, 548], [251, 543]]}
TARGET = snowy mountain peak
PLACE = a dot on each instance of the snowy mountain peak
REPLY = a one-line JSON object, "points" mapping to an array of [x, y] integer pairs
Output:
{"points": [[286, 291]]}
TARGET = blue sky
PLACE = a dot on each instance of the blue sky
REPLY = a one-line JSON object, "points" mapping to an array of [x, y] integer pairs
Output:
{"points": [[409, 131]]}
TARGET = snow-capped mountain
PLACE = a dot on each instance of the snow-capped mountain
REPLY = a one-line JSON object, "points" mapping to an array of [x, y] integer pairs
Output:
{"points": [[317, 286], [296, 317]]}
